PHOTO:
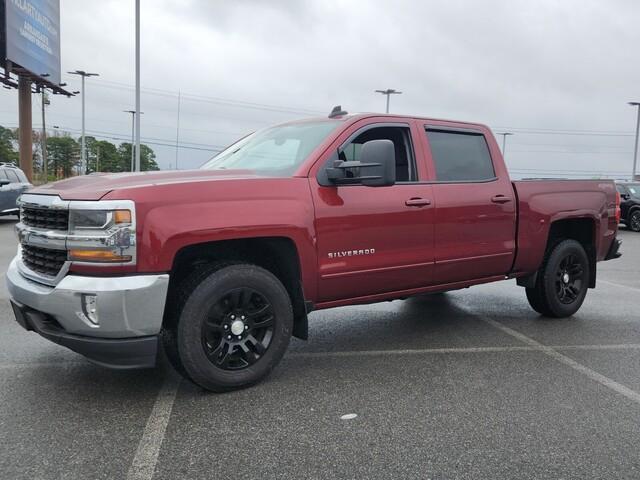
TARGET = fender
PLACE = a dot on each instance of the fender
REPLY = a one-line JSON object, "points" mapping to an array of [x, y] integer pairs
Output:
{"points": [[228, 209]]}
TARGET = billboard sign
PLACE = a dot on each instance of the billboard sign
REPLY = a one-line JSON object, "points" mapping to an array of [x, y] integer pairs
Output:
{"points": [[32, 36]]}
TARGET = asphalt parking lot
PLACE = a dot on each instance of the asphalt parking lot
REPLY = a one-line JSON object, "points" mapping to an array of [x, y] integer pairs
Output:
{"points": [[470, 384]]}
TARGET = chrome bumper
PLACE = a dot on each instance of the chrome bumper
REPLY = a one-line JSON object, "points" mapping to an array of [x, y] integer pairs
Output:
{"points": [[130, 306]]}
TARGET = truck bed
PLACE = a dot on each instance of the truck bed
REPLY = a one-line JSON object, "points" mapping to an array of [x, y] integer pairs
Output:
{"points": [[542, 202]]}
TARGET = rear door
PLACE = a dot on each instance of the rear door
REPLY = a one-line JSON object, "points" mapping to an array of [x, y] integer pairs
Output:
{"points": [[372, 240], [12, 191], [6, 193], [475, 223]]}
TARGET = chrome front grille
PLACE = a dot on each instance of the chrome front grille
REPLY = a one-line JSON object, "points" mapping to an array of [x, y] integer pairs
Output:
{"points": [[45, 218], [43, 260]]}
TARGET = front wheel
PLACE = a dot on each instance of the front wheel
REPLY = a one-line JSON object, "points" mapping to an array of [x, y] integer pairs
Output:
{"points": [[233, 328], [562, 281], [634, 221]]}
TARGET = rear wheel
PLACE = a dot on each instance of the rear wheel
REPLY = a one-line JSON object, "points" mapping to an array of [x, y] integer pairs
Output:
{"points": [[233, 328], [634, 221], [562, 281]]}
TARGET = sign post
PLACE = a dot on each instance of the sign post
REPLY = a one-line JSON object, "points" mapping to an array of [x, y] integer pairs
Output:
{"points": [[30, 50], [24, 121]]}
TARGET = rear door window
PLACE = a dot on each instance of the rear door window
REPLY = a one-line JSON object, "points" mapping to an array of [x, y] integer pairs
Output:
{"points": [[460, 156], [11, 175]]}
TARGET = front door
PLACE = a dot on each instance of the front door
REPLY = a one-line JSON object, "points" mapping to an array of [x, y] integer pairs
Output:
{"points": [[374, 239]]}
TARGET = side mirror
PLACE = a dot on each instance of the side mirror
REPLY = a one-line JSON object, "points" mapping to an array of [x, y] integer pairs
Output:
{"points": [[4, 181], [625, 196], [376, 168]]}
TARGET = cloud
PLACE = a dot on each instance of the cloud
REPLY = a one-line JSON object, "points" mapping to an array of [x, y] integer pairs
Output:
{"points": [[241, 65]]}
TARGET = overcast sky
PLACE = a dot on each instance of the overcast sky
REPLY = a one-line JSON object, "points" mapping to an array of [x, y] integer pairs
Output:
{"points": [[557, 74]]}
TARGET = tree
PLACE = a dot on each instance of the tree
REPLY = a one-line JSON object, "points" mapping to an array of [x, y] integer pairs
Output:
{"points": [[108, 161], [147, 157], [7, 151], [63, 155]]}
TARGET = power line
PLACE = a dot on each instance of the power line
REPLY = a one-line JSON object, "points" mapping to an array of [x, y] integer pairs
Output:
{"points": [[210, 99], [148, 140], [582, 152]]}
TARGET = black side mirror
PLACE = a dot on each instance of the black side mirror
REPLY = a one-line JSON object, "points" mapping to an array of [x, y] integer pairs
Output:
{"points": [[376, 168], [4, 181], [625, 196]]}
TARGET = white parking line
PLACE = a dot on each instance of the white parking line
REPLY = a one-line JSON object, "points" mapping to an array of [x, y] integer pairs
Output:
{"points": [[416, 351], [146, 458], [618, 285], [551, 352], [374, 353], [429, 351]]}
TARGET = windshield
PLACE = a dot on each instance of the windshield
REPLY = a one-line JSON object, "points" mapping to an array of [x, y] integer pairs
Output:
{"points": [[634, 189], [274, 152]]}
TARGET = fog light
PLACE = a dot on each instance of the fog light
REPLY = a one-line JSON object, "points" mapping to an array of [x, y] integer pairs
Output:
{"points": [[90, 308]]}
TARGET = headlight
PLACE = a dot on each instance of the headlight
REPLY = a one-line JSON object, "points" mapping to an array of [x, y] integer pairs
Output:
{"points": [[99, 234], [97, 219]]}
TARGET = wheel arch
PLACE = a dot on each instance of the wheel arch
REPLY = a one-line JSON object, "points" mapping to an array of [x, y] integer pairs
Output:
{"points": [[583, 230], [278, 255]]}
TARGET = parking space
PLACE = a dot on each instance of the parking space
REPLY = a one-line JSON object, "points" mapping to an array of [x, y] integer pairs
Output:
{"points": [[469, 384]]}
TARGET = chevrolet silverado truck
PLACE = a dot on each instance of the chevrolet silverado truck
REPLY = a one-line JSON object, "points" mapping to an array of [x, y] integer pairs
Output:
{"points": [[220, 266]]}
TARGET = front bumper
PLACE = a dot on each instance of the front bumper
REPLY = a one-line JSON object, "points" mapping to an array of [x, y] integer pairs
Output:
{"points": [[119, 353], [127, 307]]}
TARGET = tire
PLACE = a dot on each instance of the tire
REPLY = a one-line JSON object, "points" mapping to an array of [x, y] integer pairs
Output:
{"points": [[231, 326], [634, 221], [563, 281]]}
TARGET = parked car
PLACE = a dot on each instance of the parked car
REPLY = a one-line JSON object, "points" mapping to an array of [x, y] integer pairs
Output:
{"points": [[630, 205], [13, 182], [222, 265]]}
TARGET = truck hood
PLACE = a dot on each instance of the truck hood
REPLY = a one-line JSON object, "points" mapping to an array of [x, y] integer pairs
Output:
{"points": [[97, 185]]}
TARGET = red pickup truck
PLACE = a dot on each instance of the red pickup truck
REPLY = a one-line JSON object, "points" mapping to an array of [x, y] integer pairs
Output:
{"points": [[221, 265]]}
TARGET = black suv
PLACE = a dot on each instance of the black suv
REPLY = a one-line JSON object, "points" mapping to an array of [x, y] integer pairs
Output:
{"points": [[13, 182], [630, 204]]}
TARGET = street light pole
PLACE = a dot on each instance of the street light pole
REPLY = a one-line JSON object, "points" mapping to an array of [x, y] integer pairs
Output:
{"points": [[504, 143], [83, 74], [137, 117], [635, 148], [178, 129], [133, 129], [388, 92]]}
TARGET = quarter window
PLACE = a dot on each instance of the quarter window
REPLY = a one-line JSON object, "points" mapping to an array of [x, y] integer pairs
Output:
{"points": [[460, 156]]}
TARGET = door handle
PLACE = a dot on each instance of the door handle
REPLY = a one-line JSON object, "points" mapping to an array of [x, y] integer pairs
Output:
{"points": [[500, 199], [417, 202]]}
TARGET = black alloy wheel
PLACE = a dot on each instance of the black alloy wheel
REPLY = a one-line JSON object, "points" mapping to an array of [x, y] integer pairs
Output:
{"points": [[238, 329], [569, 279], [634, 221], [228, 325], [562, 281]]}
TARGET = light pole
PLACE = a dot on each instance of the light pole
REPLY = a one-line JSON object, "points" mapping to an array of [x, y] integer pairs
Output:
{"points": [[388, 92], [133, 125], [137, 117], [504, 143], [635, 148], [83, 74], [178, 129]]}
